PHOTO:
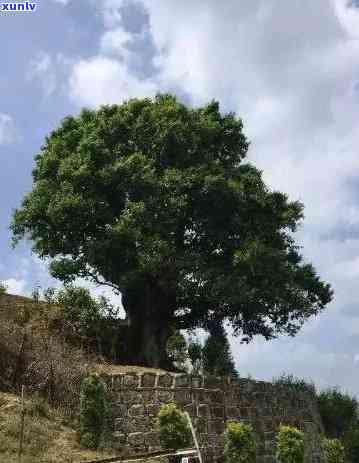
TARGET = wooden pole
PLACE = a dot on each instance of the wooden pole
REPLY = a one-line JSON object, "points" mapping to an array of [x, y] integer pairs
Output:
{"points": [[194, 437], [22, 423]]}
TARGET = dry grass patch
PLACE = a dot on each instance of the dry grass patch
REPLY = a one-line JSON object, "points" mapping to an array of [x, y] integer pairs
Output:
{"points": [[46, 439]]}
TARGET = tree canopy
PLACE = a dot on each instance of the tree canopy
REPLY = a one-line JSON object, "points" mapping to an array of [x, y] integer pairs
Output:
{"points": [[156, 200]]}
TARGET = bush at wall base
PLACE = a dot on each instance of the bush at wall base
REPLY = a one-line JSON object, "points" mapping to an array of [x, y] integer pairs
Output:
{"points": [[334, 451], [240, 445], [173, 428], [93, 410], [290, 445]]}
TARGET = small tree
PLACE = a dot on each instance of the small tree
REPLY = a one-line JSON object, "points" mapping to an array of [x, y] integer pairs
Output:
{"points": [[338, 411], [290, 445], [93, 410], [2, 288], [240, 445], [177, 350], [334, 451], [195, 356], [173, 428], [217, 357]]}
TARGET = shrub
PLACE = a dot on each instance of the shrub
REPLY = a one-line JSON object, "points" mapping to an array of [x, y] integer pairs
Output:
{"points": [[173, 428], [294, 383], [93, 410], [37, 407], [2, 288], [339, 412], [216, 354], [334, 451], [195, 356], [351, 443], [240, 445], [290, 445], [177, 350]]}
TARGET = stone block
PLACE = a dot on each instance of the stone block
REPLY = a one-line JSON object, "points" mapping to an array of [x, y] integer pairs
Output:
{"points": [[191, 409], [217, 412], [152, 440], [165, 396], [212, 382], [152, 409], [200, 425], [148, 380], [200, 396], [216, 397], [119, 410], [137, 410], [182, 381], [197, 381], [119, 439], [116, 382], [118, 425], [203, 410], [131, 380], [165, 381], [128, 397], [216, 426], [183, 397], [136, 439], [232, 412]]}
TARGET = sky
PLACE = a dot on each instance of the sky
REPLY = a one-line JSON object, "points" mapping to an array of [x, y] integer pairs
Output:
{"points": [[290, 70]]}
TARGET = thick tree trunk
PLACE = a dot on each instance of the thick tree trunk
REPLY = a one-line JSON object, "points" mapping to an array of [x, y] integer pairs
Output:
{"points": [[149, 310]]}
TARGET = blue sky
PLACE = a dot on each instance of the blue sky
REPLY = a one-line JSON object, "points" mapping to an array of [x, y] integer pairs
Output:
{"points": [[289, 69]]}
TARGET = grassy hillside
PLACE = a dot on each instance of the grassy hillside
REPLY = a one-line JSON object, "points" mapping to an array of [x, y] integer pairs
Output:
{"points": [[46, 439], [35, 351]]}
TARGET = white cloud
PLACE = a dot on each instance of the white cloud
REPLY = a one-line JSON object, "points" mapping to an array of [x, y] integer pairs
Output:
{"points": [[42, 68], [101, 80], [15, 286], [304, 360], [115, 41], [8, 133]]}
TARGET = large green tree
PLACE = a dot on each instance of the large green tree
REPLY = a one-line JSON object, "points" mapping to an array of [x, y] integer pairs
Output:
{"points": [[155, 199]]}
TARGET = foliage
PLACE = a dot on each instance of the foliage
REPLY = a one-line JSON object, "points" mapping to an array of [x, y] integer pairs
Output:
{"points": [[36, 293], [195, 355], [37, 406], [89, 321], [339, 411], [93, 411], [294, 383], [334, 451], [217, 357], [351, 443], [173, 428], [80, 309], [2, 288], [46, 438], [290, 445], [155, 199], [240, 445], [35, 353], [177, 350]]}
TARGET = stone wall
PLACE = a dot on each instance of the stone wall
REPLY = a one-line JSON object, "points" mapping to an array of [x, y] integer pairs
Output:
{"points": [[136, 400]]}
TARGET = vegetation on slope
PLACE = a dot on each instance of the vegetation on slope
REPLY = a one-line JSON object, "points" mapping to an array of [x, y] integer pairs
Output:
{"points": [[46, 438]]}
